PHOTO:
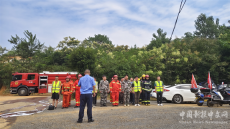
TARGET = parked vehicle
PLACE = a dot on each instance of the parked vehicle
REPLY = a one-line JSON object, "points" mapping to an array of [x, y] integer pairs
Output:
{"points": [[204, 94], [179, 93], [153, 93], [219, 95], [199, 96], [24, 84]]}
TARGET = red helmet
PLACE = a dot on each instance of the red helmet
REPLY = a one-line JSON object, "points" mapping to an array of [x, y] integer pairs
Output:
{"points": [[146, 76], [115, 76], [68, 77], [79, 75]]}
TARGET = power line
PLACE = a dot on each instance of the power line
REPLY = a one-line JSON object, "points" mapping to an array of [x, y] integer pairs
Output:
{"points": [[181, 7]]}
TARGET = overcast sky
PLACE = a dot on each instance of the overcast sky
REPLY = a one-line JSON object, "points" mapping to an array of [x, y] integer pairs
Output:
{"points": [[125, 22]]}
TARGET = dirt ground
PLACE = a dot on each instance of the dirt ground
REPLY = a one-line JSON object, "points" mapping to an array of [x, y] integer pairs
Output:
{"points": [[167, 116]]}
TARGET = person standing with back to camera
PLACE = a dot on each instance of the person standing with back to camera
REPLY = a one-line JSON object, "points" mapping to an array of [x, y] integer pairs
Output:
{"points": [[87, 85]]}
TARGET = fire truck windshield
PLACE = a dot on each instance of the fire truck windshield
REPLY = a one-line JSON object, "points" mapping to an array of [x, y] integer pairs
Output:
{"points": [[16, 77]]}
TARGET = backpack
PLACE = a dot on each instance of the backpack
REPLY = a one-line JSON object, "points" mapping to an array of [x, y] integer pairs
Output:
{"points": [[51, 107]]}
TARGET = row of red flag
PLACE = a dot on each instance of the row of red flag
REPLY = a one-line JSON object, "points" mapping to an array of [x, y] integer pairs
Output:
{"points": [[194, 84]]}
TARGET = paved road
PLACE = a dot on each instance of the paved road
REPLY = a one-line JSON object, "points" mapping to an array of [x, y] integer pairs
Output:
{"points": [[168, 116]]}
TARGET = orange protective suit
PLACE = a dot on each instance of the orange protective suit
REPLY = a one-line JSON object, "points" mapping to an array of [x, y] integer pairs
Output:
{"points": [[110, 95], [71, 82], [115, 87], [66, 91], [77, 93]]}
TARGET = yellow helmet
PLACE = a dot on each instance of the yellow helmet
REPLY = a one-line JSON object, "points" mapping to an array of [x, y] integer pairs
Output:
{"points": [[143, 75]]}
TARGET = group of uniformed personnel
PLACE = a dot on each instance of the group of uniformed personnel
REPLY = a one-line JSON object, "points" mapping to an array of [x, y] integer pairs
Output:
{"points": [[66, 89], [120, 91]]}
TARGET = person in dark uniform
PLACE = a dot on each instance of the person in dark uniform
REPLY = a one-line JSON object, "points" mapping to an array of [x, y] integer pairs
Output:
{"points": [[131, 93], [142, 94]]}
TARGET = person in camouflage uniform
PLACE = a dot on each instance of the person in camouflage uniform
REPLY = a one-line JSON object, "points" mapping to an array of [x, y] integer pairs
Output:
{"points": [[104, 89], [126, 89], [121, 94]]}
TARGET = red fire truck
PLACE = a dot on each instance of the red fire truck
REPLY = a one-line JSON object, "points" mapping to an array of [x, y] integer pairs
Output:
{"points": [[24, 84]]}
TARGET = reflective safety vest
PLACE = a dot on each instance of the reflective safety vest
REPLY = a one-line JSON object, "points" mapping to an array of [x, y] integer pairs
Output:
{"points": [[147, 85], [159, 87], [56, 88], [96, 86], [137, 86]]}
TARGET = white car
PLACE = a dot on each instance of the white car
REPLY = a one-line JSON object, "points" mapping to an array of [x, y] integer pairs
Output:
{"points": [[178, 93], [153, 93]]}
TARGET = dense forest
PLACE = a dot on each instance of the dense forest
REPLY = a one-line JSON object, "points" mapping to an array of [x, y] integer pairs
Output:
{"points": [[205, 49]]}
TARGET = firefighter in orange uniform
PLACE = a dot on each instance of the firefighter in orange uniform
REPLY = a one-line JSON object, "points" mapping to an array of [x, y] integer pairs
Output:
{"points": [[66, 92], [71, 82], [77, 91], [110, 92], [115, 88]]}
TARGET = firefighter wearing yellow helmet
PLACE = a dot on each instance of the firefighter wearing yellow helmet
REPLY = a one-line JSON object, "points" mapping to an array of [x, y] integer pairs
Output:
{"points": [[142, 95]]}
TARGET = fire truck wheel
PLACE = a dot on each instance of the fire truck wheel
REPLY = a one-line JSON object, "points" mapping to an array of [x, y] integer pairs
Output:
{"points": [[22, 92]]}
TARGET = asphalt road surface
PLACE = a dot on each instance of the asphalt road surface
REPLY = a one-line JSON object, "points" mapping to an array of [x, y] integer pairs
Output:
{"points": [[172, 116]]}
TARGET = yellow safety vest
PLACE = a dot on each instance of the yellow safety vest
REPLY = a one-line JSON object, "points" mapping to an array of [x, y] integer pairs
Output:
{"points": [[159, 87], [96, 85], [137, 86], [56, 88]]}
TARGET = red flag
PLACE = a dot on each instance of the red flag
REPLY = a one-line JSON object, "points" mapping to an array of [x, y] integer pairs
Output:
{"points": [[209, 81], [193, 82]]}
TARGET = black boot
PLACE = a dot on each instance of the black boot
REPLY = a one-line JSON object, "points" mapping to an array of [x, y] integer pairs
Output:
{"points": [[79, 121], [91, 120]]}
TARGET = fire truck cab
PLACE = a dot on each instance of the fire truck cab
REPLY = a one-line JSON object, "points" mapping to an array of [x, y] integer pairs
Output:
{"points": [[24, 84]]}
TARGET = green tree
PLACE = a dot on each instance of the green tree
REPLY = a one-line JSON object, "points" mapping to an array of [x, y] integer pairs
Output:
{"points": [[26, 47], [100, 39], [83, 58], [158, 39], [68, 42], [5, 68], [225, 52], [206, 27]]}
